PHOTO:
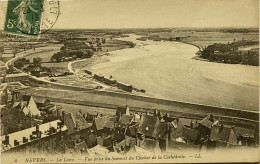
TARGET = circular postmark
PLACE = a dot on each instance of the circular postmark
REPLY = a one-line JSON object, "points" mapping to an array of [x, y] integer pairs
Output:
{"points": [[33, 17], [50, 15]]}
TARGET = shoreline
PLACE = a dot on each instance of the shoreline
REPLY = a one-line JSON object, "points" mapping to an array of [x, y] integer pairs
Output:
{"points": [[96, 61]]}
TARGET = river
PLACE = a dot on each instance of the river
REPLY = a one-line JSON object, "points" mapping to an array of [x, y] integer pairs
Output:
{"points": [[167, 70]]}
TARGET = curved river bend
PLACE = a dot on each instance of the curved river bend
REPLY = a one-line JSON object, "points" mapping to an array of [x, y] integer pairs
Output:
{"points": [[167, 70]]}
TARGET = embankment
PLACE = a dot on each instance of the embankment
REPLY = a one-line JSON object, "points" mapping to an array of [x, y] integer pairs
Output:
{"points": [[136, 101]]}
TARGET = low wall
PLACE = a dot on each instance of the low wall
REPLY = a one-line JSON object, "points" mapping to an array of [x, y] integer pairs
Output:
{"points": [[125, 87], [199, 47], [88, 72], [110, 82]]}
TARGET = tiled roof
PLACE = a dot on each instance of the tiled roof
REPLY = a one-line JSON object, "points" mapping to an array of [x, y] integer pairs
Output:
{"points": [[190, 134], [70, 122], [207, 121], [109, 124], [125, 119], [101, 122], [148, 125], [160, 131], [220, 133], [188, 122], [176, 129], [75, 122]]}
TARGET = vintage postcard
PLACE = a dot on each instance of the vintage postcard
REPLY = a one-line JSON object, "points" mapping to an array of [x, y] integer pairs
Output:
{"points": [[129, 81]]}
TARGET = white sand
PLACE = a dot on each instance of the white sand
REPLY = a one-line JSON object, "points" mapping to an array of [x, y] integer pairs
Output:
{"points": [[167, 70]]}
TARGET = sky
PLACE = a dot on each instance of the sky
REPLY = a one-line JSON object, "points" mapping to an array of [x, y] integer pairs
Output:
{"points": [[91, 14], [157, 13]]}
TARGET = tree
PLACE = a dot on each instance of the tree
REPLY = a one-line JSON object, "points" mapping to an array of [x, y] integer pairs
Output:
{"points": [[103, 40], [37, 61], [57, 56]]}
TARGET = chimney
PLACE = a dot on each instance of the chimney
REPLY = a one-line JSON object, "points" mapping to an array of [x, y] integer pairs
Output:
{"points": [[155, 112], [63, 117], [38, 131], [168, 131], [25, 139], [7, 140], [59, 124], [127, 112], [58, 113], [16, 143]]}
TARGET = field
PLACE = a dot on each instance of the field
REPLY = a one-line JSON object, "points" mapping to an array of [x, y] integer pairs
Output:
{"points": [[46, 55], [202, 38]]}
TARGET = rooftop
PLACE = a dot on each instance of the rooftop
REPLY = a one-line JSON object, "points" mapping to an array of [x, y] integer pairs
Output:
{"points": [[27, 132]]}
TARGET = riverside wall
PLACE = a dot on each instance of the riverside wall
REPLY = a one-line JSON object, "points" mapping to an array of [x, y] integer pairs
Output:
{"points": [[183, 107]]}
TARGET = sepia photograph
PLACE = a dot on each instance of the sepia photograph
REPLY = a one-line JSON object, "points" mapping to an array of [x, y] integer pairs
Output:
{"points": [[129, 81]]}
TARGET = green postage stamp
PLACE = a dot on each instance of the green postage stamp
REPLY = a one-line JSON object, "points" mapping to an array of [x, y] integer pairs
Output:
{"points": [[30, 17], [24, 16]]}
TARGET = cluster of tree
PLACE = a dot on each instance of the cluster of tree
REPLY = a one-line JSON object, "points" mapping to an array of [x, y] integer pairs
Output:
{"points": [[36, 68], [21, 62], [73, 50], [14, 120], [229, 53]]}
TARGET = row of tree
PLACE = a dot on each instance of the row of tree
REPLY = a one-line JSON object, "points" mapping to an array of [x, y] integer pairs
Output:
{"points": [[73, 50], [230, 53]]}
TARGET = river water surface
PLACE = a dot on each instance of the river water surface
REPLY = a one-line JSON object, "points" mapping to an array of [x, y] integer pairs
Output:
{"points": [[167, 70]]}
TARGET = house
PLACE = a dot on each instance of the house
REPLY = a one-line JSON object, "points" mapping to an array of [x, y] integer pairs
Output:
{"points": [[190, 123], [181, 128], [16, 77], [33, 108], [91, 116], [176, 127], [75, 123], [39, 139], [222, 136], [40, 101], [148, 125], [100, 123], [153, 132], [125, 145]]}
